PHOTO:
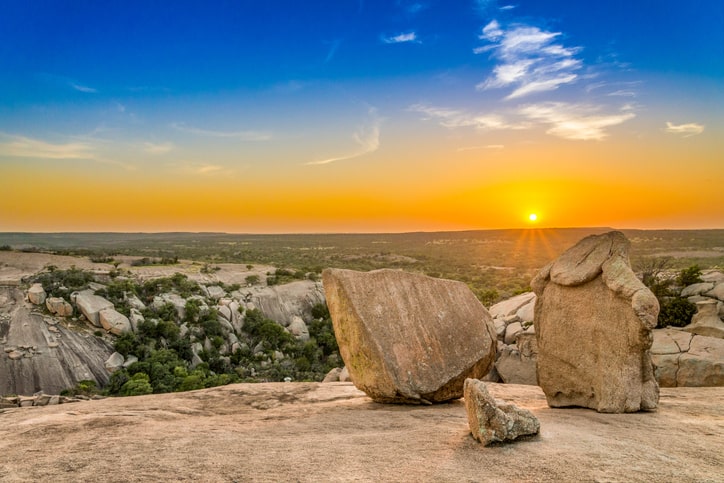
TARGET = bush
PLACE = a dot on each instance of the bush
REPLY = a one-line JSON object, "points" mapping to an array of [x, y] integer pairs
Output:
{"points": [[676, 312], [689, 276], [138, 385]]}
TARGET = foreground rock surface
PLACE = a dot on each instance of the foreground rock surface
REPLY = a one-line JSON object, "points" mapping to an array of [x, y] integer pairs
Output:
{"points": [[332, 432], [593, 321], [495, 421], [408, 338]]}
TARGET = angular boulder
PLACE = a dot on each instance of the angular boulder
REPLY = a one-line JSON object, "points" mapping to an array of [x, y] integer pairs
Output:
{"points": [[409, 338], [495, 421], [114, 321], [91, 305], [59, 307], [36, 294], [593, 322]]}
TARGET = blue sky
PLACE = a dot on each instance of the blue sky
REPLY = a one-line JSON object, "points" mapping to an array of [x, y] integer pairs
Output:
{"points": [[278, 91]]}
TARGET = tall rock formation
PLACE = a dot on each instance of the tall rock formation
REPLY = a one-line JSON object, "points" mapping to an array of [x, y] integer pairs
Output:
{"points": [[409, 338], [593, 321]]}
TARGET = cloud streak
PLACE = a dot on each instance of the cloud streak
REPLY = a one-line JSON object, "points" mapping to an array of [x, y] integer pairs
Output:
{"points": [[367, 139], [454, 118], [401, 38], [688, 130], [162, 148], [241, 135], [530, 59]]}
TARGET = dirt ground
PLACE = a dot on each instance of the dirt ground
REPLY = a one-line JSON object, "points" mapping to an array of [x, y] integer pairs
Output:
{"points": [[315, 432]]}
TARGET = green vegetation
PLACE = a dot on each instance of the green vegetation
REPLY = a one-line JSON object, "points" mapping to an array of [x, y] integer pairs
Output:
{"points": [[61, 283], [675, 310]]}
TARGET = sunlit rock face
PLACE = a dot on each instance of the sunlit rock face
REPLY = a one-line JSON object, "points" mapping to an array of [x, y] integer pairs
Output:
{"points": [[593, 321], [409, 338]]}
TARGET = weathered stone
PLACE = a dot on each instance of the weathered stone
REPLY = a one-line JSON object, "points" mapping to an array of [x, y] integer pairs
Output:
{"points": [[344, 375], [114, 362], [499, 328], [114, 321], [225, 312], [91, 305], [514, 368], [717, 292], [511, 331], [59, 307], [495, 421], [332, 375], [135, 319], [408, 338], [36, 294], [135, 303], [697, 289], [593, 323], [131, 359], [281, 303], [178, 302], [713, 276], [670, 341], [706, 321], [511, 305], [216, 292], [526, 312], [299, 329], [703, 364], [16, 355]]}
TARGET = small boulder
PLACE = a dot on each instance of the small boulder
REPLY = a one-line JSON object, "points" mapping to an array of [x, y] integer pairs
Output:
{"points": [[706, 321], [332, 375], [59, 307], [215, 292], [717, 292], [697, 289], [114, 362], [114, 322], [409, 338], [495, 421], [702, 364], [36, 294], [511, 305], [344, 375], [299, 329]]}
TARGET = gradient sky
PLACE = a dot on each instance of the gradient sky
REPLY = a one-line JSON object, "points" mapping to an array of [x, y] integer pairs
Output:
{"points": [[360, 116]]}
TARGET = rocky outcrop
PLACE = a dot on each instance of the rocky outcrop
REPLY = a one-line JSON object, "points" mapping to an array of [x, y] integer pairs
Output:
{"points": [[38, 354], [408, 338], [114, 322], [684, 359], [593, 320], [516, 364], [516, 360], [91, 305], [36, 294], [495, 421], [281, 303], [299, 329]]}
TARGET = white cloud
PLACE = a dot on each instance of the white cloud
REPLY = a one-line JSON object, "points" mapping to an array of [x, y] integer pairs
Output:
{"points": [[492, 147], [507, 7], [162, 148], [574, 121], [453, 118], [81, 88], [529, 59], [242, 135], [367, 139], [690, 129], [24, 147], [401, 38], [208, 169]]}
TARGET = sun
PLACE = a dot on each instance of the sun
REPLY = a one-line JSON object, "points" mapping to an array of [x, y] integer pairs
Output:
{"points": [[532, 217]]}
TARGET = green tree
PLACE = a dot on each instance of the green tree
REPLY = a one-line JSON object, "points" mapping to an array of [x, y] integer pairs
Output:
{"points": [[138, 385]]}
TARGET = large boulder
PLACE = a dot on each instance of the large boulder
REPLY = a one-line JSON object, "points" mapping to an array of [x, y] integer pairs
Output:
{"points": [[593, 321], [114, 321], [36, 294], [495, 421], [409, 338], [281, 303], [91, 305]]}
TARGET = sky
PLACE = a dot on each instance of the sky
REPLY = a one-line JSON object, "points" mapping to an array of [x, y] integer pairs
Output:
{"points": [[360, 116]]}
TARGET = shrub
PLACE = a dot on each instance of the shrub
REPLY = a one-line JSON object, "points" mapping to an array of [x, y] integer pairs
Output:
{"points": [[138, 385], [676, 312], [689, 276]]}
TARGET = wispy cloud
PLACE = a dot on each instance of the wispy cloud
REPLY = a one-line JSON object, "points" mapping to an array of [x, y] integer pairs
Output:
{"points": [[454, 118], [161, 148], [86, 89], [401, 38], [241, 135], [24, 147], [507, 7], [334, 45], [690, 129], [367, 139], [529, 58], [575, 121], [208, 169]]}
